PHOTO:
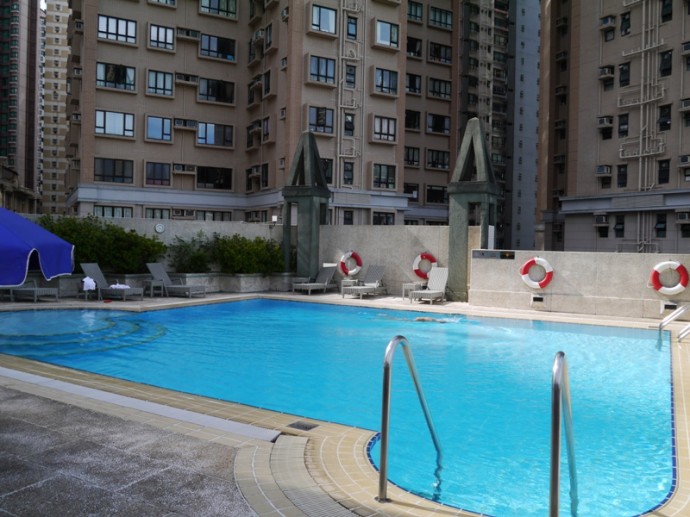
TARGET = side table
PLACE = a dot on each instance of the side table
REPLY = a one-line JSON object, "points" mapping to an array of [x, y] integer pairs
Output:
{"points": [[408, 287]]}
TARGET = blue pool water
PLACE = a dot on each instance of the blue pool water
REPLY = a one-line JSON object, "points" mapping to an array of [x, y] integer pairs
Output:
{"points": [[487, 383]]}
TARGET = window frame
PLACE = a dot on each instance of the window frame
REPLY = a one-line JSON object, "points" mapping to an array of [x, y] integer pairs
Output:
{"points": [[124, 31], [105, 123], [103, 70]]}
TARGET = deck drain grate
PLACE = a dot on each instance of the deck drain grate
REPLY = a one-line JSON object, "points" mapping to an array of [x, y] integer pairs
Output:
{"points": [[303, 426]]}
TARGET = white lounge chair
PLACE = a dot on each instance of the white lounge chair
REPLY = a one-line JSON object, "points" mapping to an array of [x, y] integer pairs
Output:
{"points": [[169, 287], [30, 290], [372, 283], [435, 288], [324, 280], [103, 289]]}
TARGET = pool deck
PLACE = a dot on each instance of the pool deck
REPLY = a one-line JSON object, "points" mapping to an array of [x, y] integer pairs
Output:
{"points": [[73, 443]]}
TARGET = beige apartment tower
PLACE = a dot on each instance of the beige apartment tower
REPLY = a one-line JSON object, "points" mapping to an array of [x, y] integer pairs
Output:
{"points": [[615, 126], [193, 108]]}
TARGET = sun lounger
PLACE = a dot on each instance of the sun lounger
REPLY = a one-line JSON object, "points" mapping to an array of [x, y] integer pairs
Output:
{"points": [[371, 284], [169, 287], [436, 288], [29, 290], [324, 281], [104, 290]]}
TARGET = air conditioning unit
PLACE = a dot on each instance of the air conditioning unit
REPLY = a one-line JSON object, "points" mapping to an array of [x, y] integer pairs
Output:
{"points": [[79, 25], [186, 78], [562, 21], [601, 220], [686, 47], [605, 121], [285, 14], [259, 35], [77, 71], [684, 160], [178, 167], [603, 170], [685, 104], [352, 53], [683, 217], [607, 21]]}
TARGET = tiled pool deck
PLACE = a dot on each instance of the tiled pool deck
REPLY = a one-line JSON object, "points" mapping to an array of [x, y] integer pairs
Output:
{"points": [[281, 467]]}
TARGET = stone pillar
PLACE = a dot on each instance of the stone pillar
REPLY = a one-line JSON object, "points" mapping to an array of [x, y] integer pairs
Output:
{"points": [[472, 183]]}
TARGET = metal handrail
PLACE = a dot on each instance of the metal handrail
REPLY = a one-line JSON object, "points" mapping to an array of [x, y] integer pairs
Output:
{"points": [[560, 400], [673, 316], [385, 414], [684, 332]]}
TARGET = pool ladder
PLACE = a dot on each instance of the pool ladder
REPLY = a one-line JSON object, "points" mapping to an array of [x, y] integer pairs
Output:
{"points": [[385, 415], [560, 402]]}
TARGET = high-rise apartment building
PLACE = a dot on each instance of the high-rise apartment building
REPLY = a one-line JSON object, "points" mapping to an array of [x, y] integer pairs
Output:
{"points": [[55, 87], [193, 108], [615, 126], [19, 104]]}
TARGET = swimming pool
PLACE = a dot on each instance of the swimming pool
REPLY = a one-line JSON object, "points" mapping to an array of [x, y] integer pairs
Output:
{"points": [[487, 382]]}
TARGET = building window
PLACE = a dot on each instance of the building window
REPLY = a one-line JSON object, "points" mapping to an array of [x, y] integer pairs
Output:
{"points": [[157, 173], [660, 226], [348, 217], [412, 120], [114, 123], [117, 29], [158, 128], [436, 194], [161, 37], [348, 173], [384, 176], [383, 218], [619, 226], [213, 90], [115, 76], [624, 74], [622, 176], [113, 171], [414, 47], [440, 53], [437, 159], [623, 125], [387, 34], [218, 135], [160, 83], [665, 63], [349, 124], [322, 70], [212, 215], [607, 84], [219, 178], [664, 171], [415, 11], [606, 133], [386, 81], [413, 83], [385, 129], [227, 8], [603, 231], [665, 117], [157, 213], [438, 124], [351, 27], [412, 156], [112, 211], [440, 88], [666, 10], [320, 120], [350, 76], [440, 18], [609, 34], [323, 19], [412, 190], [220, 48], [625, 23]]}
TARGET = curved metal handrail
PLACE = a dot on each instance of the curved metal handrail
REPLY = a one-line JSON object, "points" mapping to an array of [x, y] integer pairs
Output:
{"points": [[385, 414], [560, 400]]}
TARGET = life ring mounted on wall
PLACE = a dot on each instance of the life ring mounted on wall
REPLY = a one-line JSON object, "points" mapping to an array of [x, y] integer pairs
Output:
{"points": [[417, 261], [665, 266], [537, 261], [347, 259]]}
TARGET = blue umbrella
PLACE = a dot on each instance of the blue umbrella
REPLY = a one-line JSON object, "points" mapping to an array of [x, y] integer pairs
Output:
{"points": [[24, 244]]}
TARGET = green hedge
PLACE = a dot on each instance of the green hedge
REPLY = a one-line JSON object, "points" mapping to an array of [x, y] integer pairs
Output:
{"points": [[112, 247]]}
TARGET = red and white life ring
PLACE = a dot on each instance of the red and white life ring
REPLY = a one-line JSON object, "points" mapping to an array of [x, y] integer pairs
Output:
{"points": [[664, 266], [344, 263], [537, 261], [417, 261]]}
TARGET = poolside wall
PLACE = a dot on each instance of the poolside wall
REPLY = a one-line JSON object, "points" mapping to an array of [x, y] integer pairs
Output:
{"points": [[609, 284], [614, 284]]}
